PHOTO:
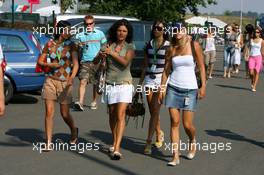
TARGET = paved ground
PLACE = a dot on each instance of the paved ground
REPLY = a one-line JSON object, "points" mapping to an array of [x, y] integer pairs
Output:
{"points": [[230, 117]]}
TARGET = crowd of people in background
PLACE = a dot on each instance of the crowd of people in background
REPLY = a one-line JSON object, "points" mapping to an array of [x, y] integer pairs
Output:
{"points": [[169, 62]]}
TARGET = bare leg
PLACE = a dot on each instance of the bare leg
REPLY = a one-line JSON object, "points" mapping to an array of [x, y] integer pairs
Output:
{"points": [[189, 129], [175, 132], [211, 67], [95, 95], [256, 80], [82, 89], [65, 113], [154, 122], [252, 77], [49, 115], [112, 122], [120, 126]]}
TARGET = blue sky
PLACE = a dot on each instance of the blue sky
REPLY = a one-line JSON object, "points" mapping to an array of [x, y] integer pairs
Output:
{"points": [[234, 5]]}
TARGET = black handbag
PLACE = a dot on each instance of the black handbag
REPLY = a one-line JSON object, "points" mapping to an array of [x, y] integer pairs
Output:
{"points": [[136, 109]]}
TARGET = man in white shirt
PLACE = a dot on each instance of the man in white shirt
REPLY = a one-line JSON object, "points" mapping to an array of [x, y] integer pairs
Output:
{"points": [[2, 97]]}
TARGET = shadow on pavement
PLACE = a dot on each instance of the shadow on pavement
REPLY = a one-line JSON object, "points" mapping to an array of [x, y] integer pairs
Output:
{"points": [[233, 136], [128, 143], [26, 137], [23, 99], [232, 87]]}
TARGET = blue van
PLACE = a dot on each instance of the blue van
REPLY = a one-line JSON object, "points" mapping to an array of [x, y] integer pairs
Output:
{"points": [[21, 50]]}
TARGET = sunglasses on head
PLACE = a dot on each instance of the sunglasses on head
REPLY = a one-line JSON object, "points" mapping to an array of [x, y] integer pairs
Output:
{"points": [[158, 28]]}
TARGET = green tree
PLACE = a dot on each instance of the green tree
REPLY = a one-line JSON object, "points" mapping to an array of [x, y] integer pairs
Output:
{"points": [[227, 13], [169, 10], [65, 4]]}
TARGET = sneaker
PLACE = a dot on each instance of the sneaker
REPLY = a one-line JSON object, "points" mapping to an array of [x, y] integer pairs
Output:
{"points": [[93, 105], [78, 106]]}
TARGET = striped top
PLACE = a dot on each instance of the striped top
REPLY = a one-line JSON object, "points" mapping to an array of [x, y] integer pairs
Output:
{"points": [[160, 57]]}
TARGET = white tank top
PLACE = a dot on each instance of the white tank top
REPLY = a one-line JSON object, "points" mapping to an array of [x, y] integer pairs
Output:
{"points": [[255, 48], [183, 74], [210, 44]]}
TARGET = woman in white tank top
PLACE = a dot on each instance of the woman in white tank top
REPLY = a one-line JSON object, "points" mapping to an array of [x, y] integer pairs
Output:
{"points": [[182, 90], [255, 60]]}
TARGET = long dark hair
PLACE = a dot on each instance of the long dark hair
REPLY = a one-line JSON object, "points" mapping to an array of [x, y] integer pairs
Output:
{"points": [[113, 29], [260, 32], [59, 28], [157, 22]]}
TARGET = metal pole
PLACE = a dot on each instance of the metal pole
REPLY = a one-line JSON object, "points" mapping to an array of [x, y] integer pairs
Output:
{"points": [[13, 13], [241, 14]]}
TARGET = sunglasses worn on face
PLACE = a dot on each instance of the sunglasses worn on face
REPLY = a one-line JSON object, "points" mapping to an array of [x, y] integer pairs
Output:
{"points": [[88, 24], [257, 32], [158, 28]]}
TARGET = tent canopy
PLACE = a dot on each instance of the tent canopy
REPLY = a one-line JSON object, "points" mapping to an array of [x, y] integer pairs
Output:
{"points": [[47, 11], [199, 20]]}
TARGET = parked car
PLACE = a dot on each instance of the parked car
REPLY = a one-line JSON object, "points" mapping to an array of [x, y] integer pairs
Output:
{"points": [[21, 49], [141, 35], [96, 17]]}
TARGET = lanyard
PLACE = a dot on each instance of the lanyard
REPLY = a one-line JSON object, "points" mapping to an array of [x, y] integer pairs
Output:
{"points": [[154, 54]]}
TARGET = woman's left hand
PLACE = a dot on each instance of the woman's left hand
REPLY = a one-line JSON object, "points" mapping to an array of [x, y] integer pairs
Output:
{"points": [[201, 93], [107, 50]]}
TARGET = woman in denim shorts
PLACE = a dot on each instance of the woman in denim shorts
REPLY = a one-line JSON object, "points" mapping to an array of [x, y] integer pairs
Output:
{"points": [[182, 89]]}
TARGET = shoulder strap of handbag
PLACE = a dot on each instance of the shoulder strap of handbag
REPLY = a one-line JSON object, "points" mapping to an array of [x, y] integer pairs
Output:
{"points": [[193, 52]]}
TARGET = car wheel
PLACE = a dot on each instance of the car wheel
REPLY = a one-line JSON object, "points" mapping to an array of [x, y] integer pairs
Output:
{"points": [[9, 89]]}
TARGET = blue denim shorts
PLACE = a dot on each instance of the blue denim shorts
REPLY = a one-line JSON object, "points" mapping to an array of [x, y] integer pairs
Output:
{"points": [[185, 99]]}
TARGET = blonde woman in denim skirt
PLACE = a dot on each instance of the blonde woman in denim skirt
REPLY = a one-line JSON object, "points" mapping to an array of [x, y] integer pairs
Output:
{"points": [[182, 89]]}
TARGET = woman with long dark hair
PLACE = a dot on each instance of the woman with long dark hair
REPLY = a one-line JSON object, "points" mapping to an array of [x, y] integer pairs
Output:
{"points": [[256, 55], [62, 59], [151, 75], [119, 89], [248, 35], [182, 89]]}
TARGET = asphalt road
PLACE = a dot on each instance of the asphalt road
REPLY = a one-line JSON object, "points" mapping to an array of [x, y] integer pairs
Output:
{"points": [[229, 125]]}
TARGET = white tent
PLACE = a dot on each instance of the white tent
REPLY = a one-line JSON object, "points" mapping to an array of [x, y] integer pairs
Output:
{"points": [[47, 11], [201, 21]]}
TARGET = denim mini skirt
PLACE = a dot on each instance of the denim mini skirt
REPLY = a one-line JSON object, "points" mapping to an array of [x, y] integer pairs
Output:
{"points": [[185, 99]]}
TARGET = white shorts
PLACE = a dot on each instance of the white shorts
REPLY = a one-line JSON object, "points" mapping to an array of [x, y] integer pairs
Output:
{"points": [[153, 83], [237, 57], [118, 94]]}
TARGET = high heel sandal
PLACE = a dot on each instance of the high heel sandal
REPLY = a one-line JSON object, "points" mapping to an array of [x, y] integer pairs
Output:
{"points": [[148, 148], [160, 140], [74, 137]]}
